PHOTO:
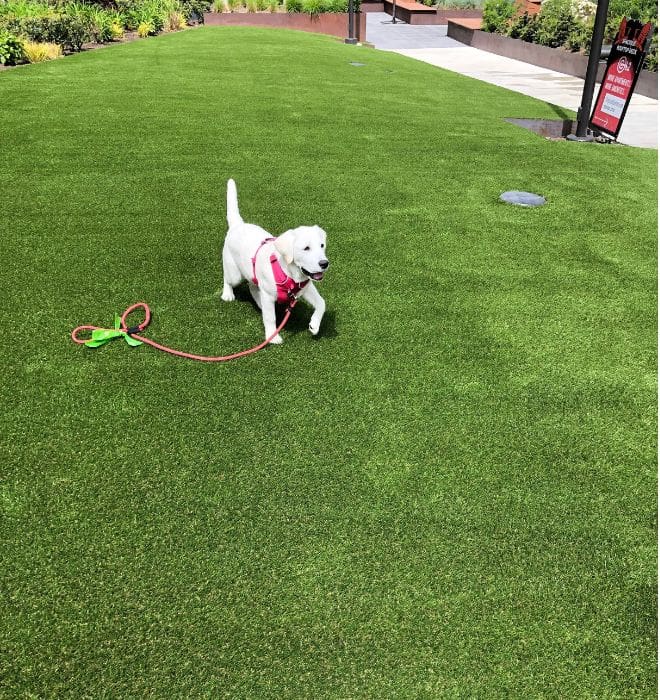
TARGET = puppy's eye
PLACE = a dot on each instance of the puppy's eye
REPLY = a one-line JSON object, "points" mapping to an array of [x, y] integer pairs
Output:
{"points": [[306, 247], [322, 245]]}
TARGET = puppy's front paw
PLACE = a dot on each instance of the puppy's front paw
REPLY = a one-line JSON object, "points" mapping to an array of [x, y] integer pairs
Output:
{"points": [[227, 294], [277, 340]]}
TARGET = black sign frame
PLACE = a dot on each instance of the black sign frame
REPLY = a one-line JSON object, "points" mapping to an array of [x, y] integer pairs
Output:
{"points": [[632, 43]]}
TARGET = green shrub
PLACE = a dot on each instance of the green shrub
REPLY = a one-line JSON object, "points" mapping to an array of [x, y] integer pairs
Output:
{"points": [[566, 23], [294, 5], [523, 27], [24, 8], [313, 7], [643, 10], [497, 14], [458, 4], [579, 38], [151, 12], [11, 49], [556, 23], [69, 32], [99, 21], [195, 9]]}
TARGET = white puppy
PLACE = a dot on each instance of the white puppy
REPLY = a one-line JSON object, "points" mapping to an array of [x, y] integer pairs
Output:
{"points": [[275, 268]]}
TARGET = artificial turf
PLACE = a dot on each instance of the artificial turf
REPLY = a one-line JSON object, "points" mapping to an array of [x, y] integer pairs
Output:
{"points": [[449, 494]]}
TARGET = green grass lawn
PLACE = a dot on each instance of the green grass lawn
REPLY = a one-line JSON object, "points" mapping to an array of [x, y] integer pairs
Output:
{"points": [[449, 494]]}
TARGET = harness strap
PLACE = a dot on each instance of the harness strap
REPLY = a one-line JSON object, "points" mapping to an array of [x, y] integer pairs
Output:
{"points": [[287, 288], [254, 259]]}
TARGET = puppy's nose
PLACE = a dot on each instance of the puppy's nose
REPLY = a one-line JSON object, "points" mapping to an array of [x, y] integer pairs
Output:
{"points": [[323, 264]]}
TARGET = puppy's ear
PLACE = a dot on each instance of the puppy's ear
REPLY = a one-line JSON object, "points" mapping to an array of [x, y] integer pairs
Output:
{"points": [[284, 244]]}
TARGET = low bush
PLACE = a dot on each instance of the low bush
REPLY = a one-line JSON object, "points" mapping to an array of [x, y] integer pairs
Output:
{"points": [[524, 27], [144, 29], [457, 4], [556, 22], [316, 7], [194, 10], [174, 21], [497, 15], [36, 52], [69, 32], [151, 12], [567, 23], [116, 31], [11, 48], [313, 7], [24, 8]]}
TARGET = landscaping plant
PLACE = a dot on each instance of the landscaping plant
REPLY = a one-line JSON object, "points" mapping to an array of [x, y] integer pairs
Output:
{"points": [[497, 15], [567, 24], [145, 28], [11, 48], [313, 7], [39, 52]]}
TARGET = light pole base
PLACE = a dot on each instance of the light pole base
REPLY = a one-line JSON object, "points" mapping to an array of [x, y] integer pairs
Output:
{"points": [[350, 41]]}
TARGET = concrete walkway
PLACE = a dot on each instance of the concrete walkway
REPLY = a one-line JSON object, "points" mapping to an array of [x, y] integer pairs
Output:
{"points": [[432, 45]]}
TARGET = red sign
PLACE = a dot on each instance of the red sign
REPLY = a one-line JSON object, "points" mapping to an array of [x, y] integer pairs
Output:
{"points": [[623, 67]]}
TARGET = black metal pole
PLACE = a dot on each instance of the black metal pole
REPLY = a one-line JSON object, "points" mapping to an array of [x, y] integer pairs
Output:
{"points": [[351, 24], [592, 68], [394, 12]]}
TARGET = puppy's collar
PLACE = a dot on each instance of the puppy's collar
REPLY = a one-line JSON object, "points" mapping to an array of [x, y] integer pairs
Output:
{"points": [[287, 288]]}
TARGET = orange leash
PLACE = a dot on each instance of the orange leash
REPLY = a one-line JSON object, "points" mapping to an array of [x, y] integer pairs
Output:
{"points": [[133, 337]]}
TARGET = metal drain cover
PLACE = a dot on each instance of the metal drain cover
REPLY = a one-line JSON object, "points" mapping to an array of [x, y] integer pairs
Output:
{"points": [[523, 199]]}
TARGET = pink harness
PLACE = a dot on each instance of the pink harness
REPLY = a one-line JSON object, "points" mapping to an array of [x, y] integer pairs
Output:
{"points": [[287, 288]]}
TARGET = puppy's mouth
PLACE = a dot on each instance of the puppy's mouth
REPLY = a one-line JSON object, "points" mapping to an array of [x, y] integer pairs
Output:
{"points": [[317, 276]]}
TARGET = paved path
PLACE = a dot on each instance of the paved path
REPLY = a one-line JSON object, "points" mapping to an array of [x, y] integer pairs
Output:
{"points": [[432, 45]]}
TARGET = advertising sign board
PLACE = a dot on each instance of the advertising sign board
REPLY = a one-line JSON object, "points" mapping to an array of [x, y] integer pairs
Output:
{"points": [[623, 67]]}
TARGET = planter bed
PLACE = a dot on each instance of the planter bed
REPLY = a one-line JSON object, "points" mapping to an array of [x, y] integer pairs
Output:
{"points": [[416, 13], [553, 59], [333, 23]]}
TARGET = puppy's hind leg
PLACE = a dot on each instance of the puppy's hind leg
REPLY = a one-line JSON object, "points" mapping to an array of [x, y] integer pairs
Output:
{"points": [[231, 275]]}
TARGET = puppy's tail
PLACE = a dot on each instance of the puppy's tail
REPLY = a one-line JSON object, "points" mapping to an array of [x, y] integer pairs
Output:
{"points": [[233, 215]]}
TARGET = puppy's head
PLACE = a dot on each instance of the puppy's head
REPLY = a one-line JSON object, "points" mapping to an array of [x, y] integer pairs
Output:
{"points": [[305, 247]]}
